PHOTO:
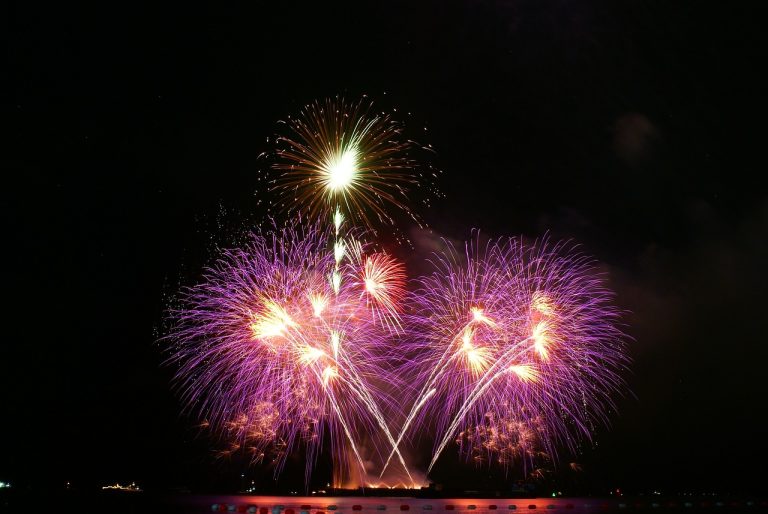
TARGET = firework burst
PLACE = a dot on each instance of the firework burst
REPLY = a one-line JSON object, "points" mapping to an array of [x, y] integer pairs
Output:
{"points": [[513, 332], [275, 356], [381, 279], [508, 441], [343, 155]]}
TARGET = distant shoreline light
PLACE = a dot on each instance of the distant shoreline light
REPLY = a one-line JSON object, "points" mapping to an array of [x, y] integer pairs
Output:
{"points": [[117, 487]]}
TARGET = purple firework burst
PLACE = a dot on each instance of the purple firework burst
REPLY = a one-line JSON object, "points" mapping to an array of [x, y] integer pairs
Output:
{"points": [[279, 347], [515, 349]]}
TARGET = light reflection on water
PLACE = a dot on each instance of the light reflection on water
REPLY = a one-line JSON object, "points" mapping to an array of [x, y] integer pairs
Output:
{"points": [[352, 505]]}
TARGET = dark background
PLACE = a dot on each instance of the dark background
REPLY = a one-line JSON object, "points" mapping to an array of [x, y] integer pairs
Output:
{"points": [[634, 127]]}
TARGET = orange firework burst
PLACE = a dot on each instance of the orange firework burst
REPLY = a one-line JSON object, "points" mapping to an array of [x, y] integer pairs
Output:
{"points": [[341, 154]]}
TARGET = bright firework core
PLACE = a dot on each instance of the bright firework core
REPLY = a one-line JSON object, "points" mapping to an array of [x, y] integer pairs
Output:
{"points": [[341, 169]]}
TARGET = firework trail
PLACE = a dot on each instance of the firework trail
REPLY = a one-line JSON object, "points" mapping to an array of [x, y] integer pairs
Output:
{"points": [[275, 355], [509, 335]]}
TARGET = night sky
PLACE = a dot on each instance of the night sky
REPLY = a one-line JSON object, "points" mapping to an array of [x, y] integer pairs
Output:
{"points": [[634, 128]]}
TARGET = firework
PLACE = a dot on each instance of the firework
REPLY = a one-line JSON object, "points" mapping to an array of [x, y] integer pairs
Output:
{"points": [[381, 279], [275, 355], [510, 351], [517, 333], [505, 441], [343, 155]]}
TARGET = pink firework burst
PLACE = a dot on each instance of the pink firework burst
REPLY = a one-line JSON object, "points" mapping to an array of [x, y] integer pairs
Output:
{"points": [[275, 356], [512, 333]]}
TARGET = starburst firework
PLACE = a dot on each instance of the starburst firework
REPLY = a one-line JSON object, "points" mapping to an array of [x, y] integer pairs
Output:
{"points": [[341, 154]]}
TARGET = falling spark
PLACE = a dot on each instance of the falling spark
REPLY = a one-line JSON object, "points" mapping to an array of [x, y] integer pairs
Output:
{"points": [[479, 316], [338, 219], [338, 251], [309, 354], [319, 302], [329, 373], [540, 339], [525, 372], [335, 344], [272, 323]]}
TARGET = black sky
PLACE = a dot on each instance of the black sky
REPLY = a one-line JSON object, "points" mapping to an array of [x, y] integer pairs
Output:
{"points": [[636, 128]]}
